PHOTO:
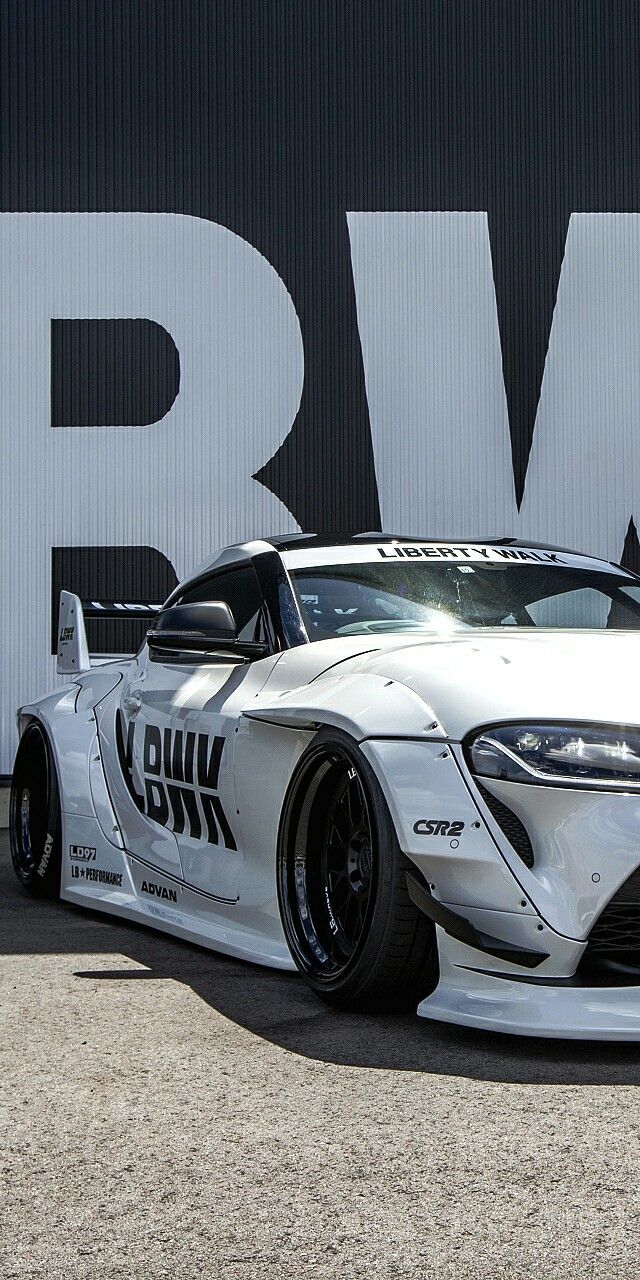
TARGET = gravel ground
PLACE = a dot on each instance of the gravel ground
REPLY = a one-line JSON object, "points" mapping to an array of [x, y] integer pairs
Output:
{"points": [[168, 1113]]}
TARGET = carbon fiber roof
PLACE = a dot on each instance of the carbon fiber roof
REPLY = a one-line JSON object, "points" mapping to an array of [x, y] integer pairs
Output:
{"points": [[295, 541]]}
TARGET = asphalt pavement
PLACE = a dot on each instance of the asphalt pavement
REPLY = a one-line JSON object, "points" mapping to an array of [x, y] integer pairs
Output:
{"points": [[169, 1113]]}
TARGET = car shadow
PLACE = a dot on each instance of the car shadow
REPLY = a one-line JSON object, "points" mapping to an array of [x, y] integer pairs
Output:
{"points": [[280, 1008]]}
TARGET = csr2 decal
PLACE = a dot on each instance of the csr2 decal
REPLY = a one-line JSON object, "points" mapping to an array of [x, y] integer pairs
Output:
{"points": [[437, 827]]}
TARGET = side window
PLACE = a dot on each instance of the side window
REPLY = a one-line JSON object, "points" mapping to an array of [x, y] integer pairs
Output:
{"points": [[625, 617], [239, 589], [583, 607]]}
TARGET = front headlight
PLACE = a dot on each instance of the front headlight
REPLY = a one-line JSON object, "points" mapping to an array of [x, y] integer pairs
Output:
{"points": [[569, 755]]}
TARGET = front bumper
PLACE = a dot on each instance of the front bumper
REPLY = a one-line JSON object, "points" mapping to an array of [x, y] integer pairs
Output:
{"points": [[554, 1009], [585, 857]]}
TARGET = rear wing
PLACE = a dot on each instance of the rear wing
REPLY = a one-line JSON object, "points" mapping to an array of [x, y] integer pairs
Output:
{"points": [[72, 647]]}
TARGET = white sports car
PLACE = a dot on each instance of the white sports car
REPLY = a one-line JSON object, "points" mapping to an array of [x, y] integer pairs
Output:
{"points": [[411, 769]]}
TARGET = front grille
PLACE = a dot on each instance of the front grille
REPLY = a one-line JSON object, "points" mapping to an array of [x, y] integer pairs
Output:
{"points": [[513, 828], [616, 932]]}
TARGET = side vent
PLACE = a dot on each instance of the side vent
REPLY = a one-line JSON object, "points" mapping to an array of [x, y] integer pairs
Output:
{"points": [[514, 830], [616, 933]]}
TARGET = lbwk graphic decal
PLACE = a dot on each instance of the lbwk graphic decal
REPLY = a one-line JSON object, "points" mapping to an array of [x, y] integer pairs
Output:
{"points": [[180, 774]]}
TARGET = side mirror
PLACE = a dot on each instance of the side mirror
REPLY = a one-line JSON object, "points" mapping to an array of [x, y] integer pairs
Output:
{"points": [[201, 628]]}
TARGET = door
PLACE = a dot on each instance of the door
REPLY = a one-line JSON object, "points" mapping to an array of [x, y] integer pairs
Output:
{"points": [[177, 730]]}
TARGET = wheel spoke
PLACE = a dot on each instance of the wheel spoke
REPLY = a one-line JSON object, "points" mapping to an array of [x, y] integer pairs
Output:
{"points": [[362, 902], [341, 820], [338, 883], [337, 846]]}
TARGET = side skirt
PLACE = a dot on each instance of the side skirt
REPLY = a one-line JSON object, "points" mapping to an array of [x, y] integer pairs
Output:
{"points": [[96, 874]]}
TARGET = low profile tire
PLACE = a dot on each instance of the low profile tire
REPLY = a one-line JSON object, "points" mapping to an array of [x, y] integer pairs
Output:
{"points": [[352, 929], [35, 821]]}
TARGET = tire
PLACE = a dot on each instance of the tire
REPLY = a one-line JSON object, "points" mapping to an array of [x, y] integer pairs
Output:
{"points": [[35, 822], [352, 929]]}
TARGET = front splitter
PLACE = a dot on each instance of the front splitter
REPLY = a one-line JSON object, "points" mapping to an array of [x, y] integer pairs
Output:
{"points": [[489, 1003]]}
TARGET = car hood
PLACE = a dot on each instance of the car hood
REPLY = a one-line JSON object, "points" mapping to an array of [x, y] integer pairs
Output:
{"points": [[471, 680]]}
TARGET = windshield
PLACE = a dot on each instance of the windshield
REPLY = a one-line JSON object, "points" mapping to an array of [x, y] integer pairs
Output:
{"points": [[349, 599]]}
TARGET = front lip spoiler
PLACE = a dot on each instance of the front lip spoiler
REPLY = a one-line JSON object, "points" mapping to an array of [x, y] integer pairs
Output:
{"points": [[457, 926], [596, 977]]}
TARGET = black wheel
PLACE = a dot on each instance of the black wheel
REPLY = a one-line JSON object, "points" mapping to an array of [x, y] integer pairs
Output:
{"points": [[35, 821], [351, 926]]}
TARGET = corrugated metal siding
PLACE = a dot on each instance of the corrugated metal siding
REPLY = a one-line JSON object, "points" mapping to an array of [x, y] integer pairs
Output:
{"points": [[373, 232]]}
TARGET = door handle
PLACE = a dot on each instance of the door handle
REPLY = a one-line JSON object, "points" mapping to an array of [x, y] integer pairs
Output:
{"points": [[132, 703]]}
